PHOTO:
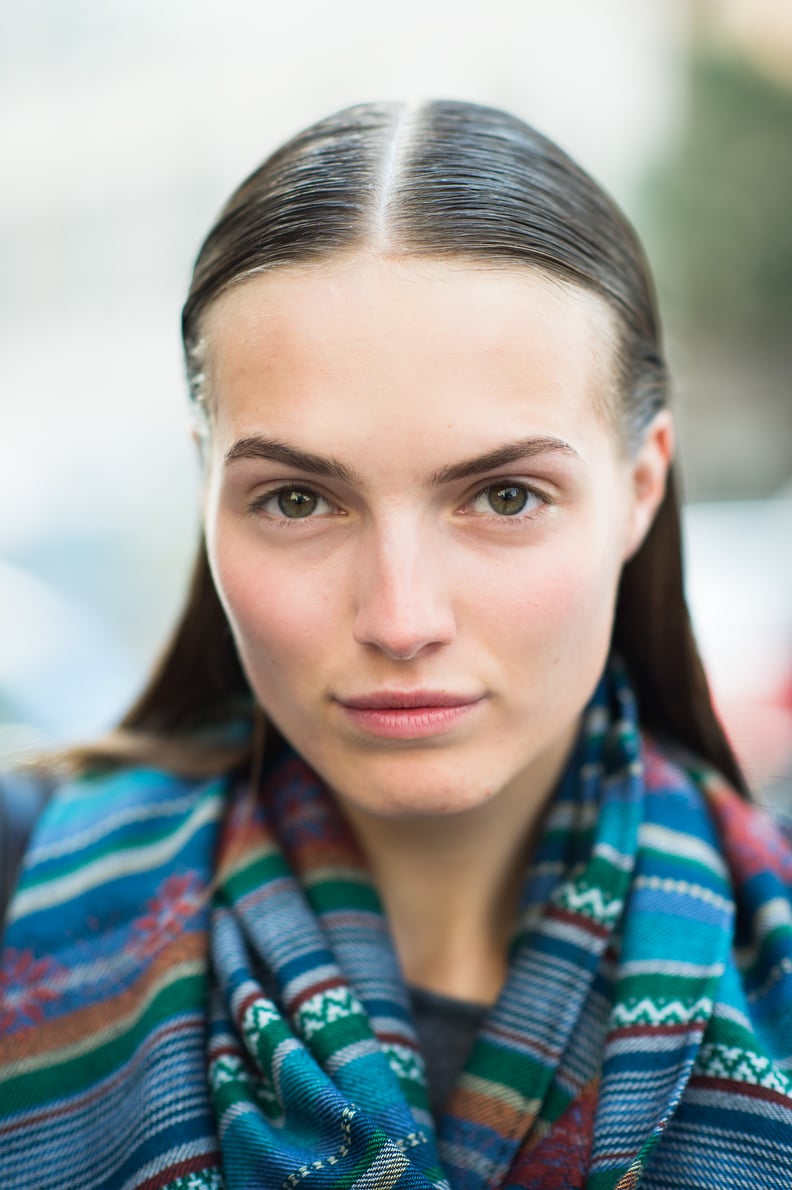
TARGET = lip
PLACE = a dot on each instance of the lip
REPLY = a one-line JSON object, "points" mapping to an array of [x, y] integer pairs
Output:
{"points": [[397, 700], [408, 714]]}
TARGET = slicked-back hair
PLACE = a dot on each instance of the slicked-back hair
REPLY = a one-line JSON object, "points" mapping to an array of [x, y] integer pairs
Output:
{"points": [[442, 180]]}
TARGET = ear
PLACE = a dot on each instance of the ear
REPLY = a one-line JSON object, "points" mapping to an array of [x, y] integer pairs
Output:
{"points": [[200, 434], [648, 473]]}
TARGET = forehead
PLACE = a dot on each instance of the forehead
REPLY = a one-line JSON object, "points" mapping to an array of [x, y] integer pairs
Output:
{"points": [[374, 341]]}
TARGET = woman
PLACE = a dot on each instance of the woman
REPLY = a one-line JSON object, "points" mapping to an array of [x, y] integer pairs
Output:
{"points": [[416, 863]]}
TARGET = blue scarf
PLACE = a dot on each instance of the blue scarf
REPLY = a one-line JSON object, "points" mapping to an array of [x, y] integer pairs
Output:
{"points": [[199, 990]]}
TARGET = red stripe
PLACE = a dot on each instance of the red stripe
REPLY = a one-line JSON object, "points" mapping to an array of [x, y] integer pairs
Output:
{"points": [[222, 1051], [210, 1160], [578, 919], [397, 1039], [523, 1043], [728, 1086], [251, 998], [313, 990], [666, 1030], [79, 1100]]}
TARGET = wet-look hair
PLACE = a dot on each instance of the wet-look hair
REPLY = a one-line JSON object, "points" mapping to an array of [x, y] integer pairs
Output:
{"points": [[444, 180]]}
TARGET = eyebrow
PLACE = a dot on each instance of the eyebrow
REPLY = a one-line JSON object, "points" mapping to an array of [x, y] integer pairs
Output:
{"points": [[501, 456], [273, 450], [256, 447]]}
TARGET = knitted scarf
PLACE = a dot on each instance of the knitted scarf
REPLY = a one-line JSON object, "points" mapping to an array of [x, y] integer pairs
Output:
{"points": [[198, 991]]}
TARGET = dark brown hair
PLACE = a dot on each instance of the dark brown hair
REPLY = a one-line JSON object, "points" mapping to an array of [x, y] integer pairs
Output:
{"points": [[456, 180]]}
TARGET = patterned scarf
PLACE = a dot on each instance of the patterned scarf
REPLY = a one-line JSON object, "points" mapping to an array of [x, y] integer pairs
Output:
{"points": [[198, 993]]}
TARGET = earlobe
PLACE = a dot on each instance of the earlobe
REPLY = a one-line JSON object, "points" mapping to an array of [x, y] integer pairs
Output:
{"points": [[649, 473], [199, 437]]}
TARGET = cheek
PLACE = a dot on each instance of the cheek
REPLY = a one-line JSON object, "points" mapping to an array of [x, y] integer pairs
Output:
{"points": [[276, 617], [549, 596]]}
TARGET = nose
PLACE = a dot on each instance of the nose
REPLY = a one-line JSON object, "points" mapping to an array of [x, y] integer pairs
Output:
{"points": [[404, 601]]}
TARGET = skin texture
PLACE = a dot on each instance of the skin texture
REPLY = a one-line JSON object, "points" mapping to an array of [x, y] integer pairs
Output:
{"points": [[404, 577]]}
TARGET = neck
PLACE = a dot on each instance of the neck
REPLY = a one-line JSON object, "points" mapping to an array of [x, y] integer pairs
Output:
{"points": [[451, 884]]}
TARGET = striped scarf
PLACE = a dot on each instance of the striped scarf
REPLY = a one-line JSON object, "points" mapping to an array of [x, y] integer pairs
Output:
{"points": [[201, 993]]}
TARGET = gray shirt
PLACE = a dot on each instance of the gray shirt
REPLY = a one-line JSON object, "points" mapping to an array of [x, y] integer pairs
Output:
{"points": [[446, 1030]]}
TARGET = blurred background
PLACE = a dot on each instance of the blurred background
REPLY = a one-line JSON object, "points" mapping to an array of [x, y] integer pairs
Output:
{"points": [[124, 126]]}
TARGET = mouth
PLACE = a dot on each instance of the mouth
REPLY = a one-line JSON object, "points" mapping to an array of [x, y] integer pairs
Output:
{"points": [[408, 714], [398, 700]]}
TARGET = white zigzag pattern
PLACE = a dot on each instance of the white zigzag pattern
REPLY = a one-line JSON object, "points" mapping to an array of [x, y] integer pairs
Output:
{"points": [[404, 1062], [227, 1069], [325, 1007], [742, 1066], [591, 902], [652, 1012], [257, 1017], [210, 1179]]}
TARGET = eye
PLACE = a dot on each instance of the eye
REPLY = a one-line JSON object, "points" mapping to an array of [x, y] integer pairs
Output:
{"points": [[507, 499], [291, 503]]}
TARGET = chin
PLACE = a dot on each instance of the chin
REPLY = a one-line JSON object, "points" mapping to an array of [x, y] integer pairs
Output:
{"points": [[421, 804], [413, 790]]}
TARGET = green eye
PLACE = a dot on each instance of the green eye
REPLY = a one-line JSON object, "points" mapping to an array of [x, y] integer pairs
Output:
{"points": [[297, 502], [507, 499]]}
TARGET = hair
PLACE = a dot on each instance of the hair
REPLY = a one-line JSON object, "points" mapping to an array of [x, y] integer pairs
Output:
{"points": [[454, 180]]}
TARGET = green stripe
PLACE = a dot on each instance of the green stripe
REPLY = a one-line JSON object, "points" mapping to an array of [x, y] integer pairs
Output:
{"points": [[660, 988], [334, 895], [555, 1103], [264, 869], [141, 838], [504, 1066], [53, 1080]]}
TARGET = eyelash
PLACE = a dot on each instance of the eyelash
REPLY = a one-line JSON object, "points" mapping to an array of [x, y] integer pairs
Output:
{"points": [[542, 500], [258, 506]]}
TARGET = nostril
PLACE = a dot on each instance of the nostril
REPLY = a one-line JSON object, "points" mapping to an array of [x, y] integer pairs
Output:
{"points": [[401, 642], [402, 631]]}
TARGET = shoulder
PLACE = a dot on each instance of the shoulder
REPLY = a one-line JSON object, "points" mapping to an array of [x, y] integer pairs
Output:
{"points": [[47, 823], [753, 843], [738, 1091], [23, 796]]}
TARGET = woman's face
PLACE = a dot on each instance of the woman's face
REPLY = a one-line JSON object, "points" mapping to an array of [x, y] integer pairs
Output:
{"points": [[416, 512]]}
